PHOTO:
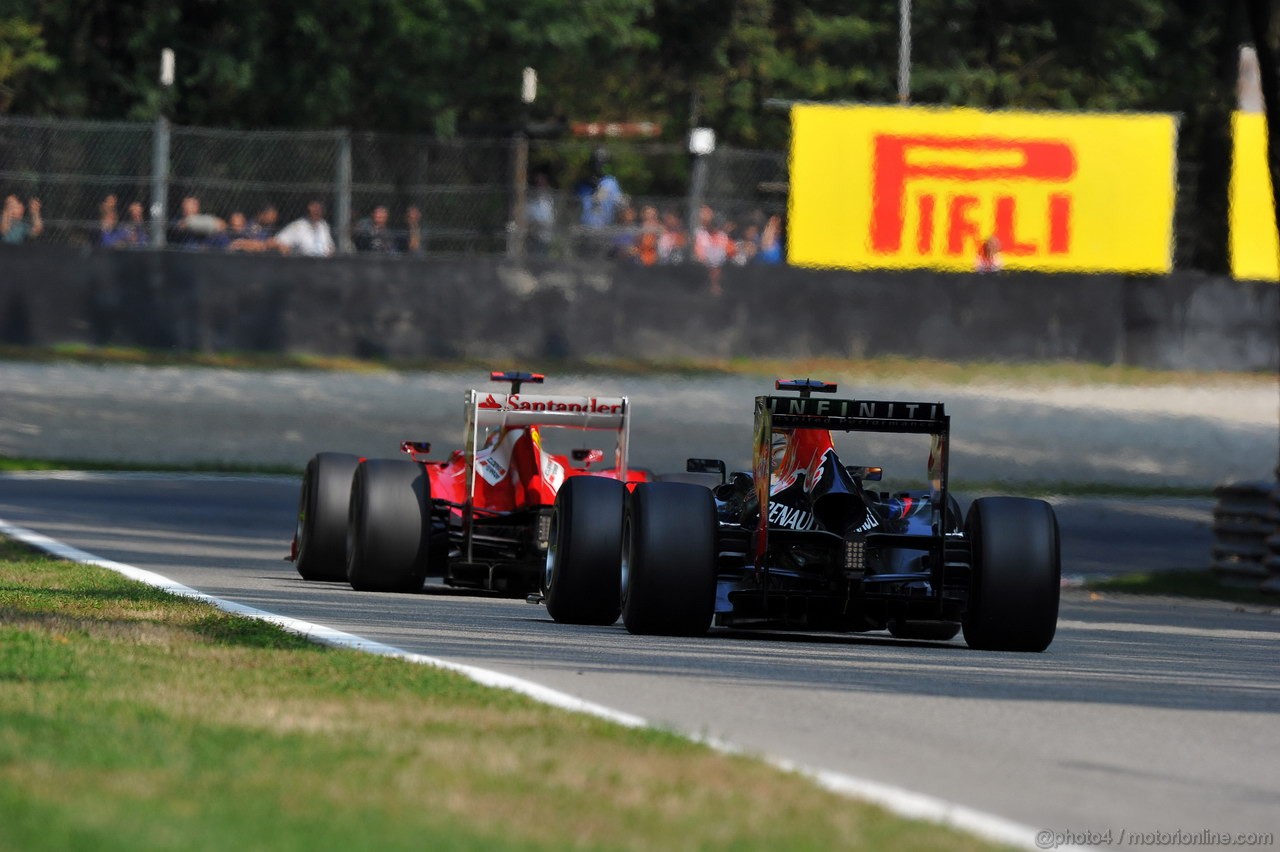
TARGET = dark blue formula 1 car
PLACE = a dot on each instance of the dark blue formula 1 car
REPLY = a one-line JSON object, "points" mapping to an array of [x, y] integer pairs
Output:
{"points": [[803, 541]]}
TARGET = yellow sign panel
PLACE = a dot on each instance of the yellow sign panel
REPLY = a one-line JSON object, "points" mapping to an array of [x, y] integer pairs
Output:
{"points": [[1255, 248], [919, 187]]}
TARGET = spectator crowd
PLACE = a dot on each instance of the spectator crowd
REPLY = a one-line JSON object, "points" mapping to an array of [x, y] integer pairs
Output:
{"points": [[611, 224], [608, 224]]}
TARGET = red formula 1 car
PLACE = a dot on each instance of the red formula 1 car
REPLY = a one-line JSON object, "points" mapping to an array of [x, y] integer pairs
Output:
{"points": [[480, 518], [804, 541]]}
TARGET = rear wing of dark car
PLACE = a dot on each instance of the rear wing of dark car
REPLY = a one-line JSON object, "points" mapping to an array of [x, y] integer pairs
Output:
{"points": [[855, 415], [850, 415]]}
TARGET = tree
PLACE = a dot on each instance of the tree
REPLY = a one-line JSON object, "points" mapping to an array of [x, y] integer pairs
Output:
{"points": [[21, 50]]}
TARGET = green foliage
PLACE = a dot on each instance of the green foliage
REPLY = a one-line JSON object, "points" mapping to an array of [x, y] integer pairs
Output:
{"points": [[1185, 584], [22, 50], [438, 66]]}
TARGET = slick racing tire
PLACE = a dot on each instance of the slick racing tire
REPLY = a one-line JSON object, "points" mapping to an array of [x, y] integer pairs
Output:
{"points": [[931, 631], [389, 526], [669, 559], [584, 554], [1017, 574], [322, 516]]}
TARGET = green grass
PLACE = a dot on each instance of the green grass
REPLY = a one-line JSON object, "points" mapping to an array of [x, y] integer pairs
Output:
{"points": [[12, 463], [885, 369], [1183, 584], [131, 719], [121, 355], [1079, 489]]}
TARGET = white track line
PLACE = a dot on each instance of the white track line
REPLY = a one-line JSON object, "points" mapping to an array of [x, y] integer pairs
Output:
{"points": [[903, 802]]}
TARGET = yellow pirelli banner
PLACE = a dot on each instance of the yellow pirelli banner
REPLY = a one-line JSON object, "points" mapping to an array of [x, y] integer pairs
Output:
{"points": [[922, 187], [1255, 247]]}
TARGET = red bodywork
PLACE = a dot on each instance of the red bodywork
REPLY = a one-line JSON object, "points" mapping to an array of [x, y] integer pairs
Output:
{"points": [[795, 451], [505, 467], [513, 472]]}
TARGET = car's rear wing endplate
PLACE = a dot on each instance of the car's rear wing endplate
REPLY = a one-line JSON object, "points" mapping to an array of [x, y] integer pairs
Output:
{"points": [[855, 415]]}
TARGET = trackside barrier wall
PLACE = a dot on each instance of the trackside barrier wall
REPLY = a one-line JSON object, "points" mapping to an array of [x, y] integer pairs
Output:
{"points": [[491, 309]]}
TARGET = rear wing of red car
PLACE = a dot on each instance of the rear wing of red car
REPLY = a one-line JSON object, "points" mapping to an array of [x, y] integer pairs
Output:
{"points": [[486, 410]]}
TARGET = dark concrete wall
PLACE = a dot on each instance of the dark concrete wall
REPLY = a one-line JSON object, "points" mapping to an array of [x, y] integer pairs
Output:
{"points": [[490, 309]]}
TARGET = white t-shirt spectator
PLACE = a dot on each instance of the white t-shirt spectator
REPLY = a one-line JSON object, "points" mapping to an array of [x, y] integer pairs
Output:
{"points": [[303, 236], [712, 247]]}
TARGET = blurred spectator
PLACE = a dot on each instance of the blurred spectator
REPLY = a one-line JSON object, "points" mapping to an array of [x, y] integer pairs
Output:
{"points": [[372, 234], [243, 235], [233, 230], [712, 248], [255, 235], [14, 228], [747, 247], [309, 235], [193, 229], [673, 245], [237, 225], [263, 226], [601, 194], [112, 233], [134, 232], [541, 215], [650, 236], [108, 223], [410, 241], [702, 229], [771, 241], [626, 236], [989, 259]]}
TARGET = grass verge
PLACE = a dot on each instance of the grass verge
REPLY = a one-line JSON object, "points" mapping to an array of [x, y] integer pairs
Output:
{"points": [[131, 719], [1079, 489], [1183, 584], [884, 369], [13, 464]]}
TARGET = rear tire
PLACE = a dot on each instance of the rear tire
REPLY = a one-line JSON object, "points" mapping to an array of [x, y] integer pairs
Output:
{"points": [[389, 526], [669, 559], [322, 516], [584, 555], [1017, 574]]}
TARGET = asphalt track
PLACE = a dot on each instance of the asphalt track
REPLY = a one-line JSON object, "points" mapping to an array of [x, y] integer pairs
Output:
{"points": [[1143, 716]]}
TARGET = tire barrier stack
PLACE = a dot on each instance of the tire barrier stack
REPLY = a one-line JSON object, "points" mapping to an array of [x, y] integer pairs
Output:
{"points": [[1272, 583], [1246, 534]]}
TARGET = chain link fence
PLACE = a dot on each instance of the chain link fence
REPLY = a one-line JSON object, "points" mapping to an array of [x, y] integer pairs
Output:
{"points": [[70, 166], [441, 197]]}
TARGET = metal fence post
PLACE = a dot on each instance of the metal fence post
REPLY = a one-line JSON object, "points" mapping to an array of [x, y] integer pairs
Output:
{"points": [[342, 194], [159, 181], [519, 227], [697, 192]]}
